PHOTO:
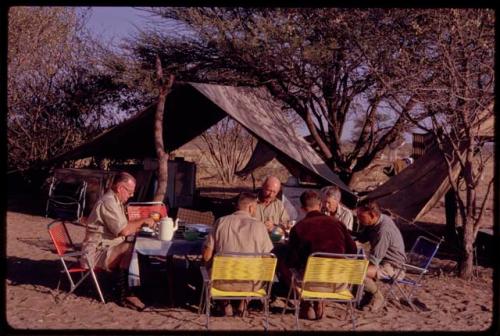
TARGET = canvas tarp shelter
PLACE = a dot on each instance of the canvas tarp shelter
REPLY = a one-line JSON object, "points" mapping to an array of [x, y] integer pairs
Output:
{"points": [[190, 109], [414, 191]]}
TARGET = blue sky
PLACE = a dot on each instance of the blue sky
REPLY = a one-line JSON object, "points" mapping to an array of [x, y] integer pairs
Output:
{"points": [[115, 23]]}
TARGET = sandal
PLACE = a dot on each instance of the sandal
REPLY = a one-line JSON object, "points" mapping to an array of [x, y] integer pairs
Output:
{"points": [[133, 302]]}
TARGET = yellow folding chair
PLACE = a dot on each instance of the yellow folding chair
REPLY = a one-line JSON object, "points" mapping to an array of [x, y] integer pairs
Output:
{"points": [[239, 266], [347, 271]]}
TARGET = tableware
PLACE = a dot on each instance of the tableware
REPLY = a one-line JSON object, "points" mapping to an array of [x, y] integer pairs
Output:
{"points": [[147, 229], [167, 228], [202, 228], [277, 234], [191, 235]]}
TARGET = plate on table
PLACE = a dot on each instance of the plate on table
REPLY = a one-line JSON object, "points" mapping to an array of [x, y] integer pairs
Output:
{"points": [[146, 232], [201, 229]]}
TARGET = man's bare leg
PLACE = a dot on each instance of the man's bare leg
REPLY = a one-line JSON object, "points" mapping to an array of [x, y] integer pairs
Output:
{"points": [[120, 258]]}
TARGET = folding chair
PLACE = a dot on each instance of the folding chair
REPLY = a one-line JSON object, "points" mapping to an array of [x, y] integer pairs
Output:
{"points": [[239, 266], [139, 210], [189, 216], [418, 260], [66, 249], [345, 270], [66, 200]]}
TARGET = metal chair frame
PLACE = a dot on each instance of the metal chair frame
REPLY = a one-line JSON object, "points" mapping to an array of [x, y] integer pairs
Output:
{"points": [[239, 266], [66, 202], [417, 265], [330, 268], [65, 249]]}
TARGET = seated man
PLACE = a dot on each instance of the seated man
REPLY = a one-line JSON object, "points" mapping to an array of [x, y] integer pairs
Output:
{"points": [[387, 249], [106, 230], [270, 210], [238, 232], [316, 233], [333, 207]]}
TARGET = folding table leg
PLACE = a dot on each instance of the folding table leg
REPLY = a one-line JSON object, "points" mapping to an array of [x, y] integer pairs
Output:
{"points": [[170, 279]]}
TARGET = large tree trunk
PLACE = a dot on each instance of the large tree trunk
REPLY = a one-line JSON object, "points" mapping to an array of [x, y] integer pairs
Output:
{"points": [[467, 262], [164, 90]]}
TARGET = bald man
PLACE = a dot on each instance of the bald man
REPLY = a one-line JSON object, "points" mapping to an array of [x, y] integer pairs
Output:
{"points": [[105, 235], [270, 210]]}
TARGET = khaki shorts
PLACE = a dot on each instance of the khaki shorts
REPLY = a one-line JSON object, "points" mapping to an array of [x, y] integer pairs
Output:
{"points": [[100, 255], [386, 270]]}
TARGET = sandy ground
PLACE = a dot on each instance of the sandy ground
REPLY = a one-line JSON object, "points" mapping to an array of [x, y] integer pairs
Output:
{"points": [[446, 302]]}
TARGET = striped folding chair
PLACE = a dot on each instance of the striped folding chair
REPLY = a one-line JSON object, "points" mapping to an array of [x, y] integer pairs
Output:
{"points": [[346, 271], [140, 210], [258, 267], [68, 255], [417, 264]]}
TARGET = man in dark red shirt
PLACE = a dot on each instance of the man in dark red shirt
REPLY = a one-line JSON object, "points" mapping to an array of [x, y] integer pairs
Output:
{"points": [[316, 233]]}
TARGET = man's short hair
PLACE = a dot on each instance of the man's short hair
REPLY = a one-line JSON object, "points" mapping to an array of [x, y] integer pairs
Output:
{"points": [[368, 205], [332, 191], [244, 199], [310, 199], [122, 177]]}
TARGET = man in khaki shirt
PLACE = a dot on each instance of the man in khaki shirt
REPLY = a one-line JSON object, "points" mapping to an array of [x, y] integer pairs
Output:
{"points": [[107, 226], [332, 206], [238, 232], [270, 210]]}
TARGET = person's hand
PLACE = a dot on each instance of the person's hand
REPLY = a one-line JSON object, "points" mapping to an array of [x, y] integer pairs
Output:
{"points": [[156, 216], [269, 225], [150, 222]]}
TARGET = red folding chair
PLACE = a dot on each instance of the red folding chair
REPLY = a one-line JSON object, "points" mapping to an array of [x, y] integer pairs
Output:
{"points": [[69, 256]]}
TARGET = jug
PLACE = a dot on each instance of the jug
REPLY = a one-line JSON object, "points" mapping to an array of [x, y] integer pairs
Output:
{"points": [[167, 228]]}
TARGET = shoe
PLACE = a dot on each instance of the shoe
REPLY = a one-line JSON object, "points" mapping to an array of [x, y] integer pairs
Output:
{"points": [[307, 311], [133, 302], [319, 309]]}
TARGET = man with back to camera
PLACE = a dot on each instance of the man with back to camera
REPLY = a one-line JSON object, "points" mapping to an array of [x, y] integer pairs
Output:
{"points": [[106, 230], [316, 232], [238, 232], [333, 207], [387, 249], [270, 210]]}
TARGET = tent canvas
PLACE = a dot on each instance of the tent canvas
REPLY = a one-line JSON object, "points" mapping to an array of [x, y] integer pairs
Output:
{"points": [[190, 109], [414, 191]]}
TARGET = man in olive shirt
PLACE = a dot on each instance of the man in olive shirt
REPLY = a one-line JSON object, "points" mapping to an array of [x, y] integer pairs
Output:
{"points": [[238, 232], [107, 227], [270, 210], [387, 249]]}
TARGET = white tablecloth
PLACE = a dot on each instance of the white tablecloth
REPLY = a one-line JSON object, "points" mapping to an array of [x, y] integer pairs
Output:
{"points": [[156, 247]]}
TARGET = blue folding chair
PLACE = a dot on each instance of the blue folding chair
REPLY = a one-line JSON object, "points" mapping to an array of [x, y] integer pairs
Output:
{"points": [[417, 263]]}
